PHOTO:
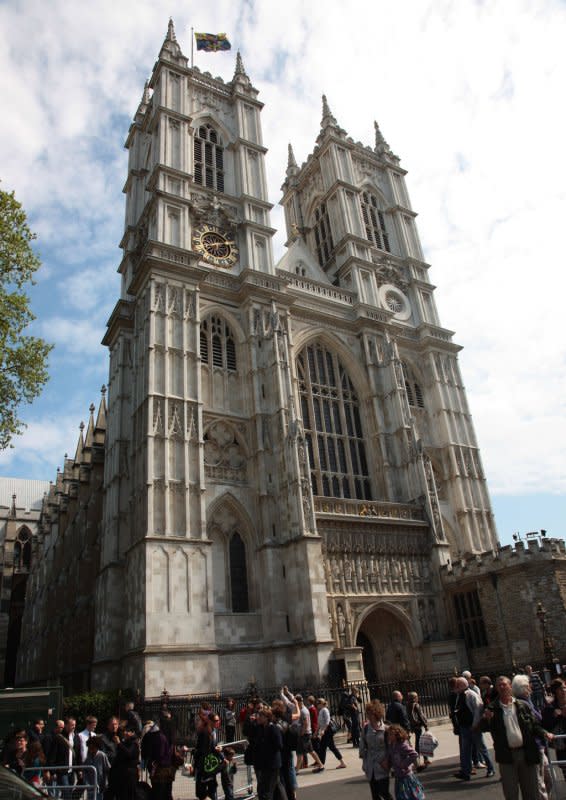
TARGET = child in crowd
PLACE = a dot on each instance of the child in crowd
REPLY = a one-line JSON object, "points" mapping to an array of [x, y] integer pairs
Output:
{"points": [[402, 758], [227, 772], [98, 759]]}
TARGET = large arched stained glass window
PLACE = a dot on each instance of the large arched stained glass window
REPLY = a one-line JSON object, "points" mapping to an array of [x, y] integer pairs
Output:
{"points": [[333, 428], [238, 574]]}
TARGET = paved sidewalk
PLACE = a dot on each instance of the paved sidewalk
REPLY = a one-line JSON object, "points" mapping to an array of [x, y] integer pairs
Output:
{"points": [[447, 749]]}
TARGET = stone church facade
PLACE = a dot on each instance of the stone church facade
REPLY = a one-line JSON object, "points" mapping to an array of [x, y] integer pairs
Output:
{"points": [[289, 461]]}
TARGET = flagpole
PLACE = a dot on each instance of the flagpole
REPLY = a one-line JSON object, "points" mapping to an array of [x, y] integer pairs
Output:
{"points": [[192, 48]]}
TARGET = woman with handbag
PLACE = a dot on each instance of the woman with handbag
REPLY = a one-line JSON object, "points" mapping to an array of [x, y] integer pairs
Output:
{"points": [[418, 722], [325, 734], [207, 759]]}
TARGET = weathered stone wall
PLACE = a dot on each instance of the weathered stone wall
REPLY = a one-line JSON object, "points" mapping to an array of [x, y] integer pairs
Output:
{"points": [[510, 583]]}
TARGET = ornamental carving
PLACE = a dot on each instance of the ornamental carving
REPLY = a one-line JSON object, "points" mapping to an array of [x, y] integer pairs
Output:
{"points": [[349, 573], [388, 272], [224, 457], [213, 212]]}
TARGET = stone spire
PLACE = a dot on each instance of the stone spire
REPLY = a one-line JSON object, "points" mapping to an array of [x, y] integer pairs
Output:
{"points": [[381, 146], [80, 445], [239, 66], [328, 122], [240, 76], [90, 429], [101, 418], [170, 50], [292, 167], [13, 512], [171, 32], [328, 117]]}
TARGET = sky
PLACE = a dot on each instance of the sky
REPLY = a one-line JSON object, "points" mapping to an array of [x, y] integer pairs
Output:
{"points": [[466, 93]]}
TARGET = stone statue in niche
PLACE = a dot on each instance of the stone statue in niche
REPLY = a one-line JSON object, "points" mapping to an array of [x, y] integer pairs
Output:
{"points": [[341, 622]]}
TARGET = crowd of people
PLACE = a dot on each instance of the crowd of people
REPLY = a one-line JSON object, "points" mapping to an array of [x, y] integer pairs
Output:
{"points": [[524, 717], [293, 733]]}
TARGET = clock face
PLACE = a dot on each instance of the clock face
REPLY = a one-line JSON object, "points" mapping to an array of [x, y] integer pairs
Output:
{"points": [[215, 246]]}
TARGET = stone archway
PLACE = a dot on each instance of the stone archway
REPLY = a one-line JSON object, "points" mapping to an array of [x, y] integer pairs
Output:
{"points": [[386, 641]]}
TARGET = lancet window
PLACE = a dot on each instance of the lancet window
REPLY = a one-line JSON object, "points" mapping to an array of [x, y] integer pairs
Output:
{"points": [[322, 235], [238, 574], [333, 428], [217, 345], [209, 158], [374, 222]]}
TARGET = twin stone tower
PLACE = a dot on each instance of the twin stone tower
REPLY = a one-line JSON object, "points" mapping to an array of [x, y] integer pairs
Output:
{"points": [[288, 453]]}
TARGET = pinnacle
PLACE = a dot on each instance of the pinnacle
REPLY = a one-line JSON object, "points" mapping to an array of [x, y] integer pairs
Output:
{"points": [[328, 117], [171, 37], [292, 161], [239, 66], [381, 146]]}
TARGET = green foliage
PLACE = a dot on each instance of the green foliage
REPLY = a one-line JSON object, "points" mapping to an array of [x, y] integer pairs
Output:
{"points": [[23, 359], [101, 705]]}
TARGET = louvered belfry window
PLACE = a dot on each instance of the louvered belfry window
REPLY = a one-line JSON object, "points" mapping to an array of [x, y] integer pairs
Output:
{"points": [[374, 222], [333, 429], [208, 158], [217, 345], [322, 235]]}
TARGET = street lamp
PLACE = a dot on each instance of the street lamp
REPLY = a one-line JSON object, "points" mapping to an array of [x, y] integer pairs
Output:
{"points": [[547, 642]]}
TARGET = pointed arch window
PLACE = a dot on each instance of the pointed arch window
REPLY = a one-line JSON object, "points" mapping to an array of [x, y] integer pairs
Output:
{"points": [[209, 158], [412, 387], [322, 235], [238, 574], [333, 428], [217, 344], [374, 222], [22, 551]]}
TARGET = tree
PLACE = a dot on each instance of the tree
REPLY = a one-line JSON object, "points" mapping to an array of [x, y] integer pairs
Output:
{"points": [[23, 359]]}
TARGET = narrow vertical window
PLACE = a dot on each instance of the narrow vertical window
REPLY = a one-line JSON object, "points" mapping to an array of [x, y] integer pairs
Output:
{"points": [[374, 222], [238, 574], [322, 235], [208, 158]]}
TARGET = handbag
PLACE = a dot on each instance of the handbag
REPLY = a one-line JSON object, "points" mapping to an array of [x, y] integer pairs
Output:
{"points": [[427, 744], [212, 764], [334, 725]]}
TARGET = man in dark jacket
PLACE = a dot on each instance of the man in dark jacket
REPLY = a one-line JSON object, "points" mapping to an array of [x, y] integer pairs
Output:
{"points": [[514, 730], [396, 713], [268, 747]]}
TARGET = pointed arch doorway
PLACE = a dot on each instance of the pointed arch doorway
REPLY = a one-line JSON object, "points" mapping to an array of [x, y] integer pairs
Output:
{"points": [[388, 650]]}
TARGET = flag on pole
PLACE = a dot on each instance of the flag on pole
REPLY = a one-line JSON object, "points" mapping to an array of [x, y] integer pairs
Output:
{"points": [[211, 42]]}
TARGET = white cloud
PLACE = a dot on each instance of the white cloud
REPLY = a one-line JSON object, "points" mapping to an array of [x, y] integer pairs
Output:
{"points": [[466, 94]]}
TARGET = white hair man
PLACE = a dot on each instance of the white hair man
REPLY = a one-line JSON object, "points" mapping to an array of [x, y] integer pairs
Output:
{"points": [[522, 689], [515, 731], [467, 711]]}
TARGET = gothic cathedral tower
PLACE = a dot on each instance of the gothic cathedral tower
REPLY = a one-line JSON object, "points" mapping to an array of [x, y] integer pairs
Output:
{"points": [[289, 453], [204, 544]]}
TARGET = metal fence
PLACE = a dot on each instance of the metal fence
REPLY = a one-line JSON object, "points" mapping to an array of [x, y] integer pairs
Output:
{"points": [[432, 691]]}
